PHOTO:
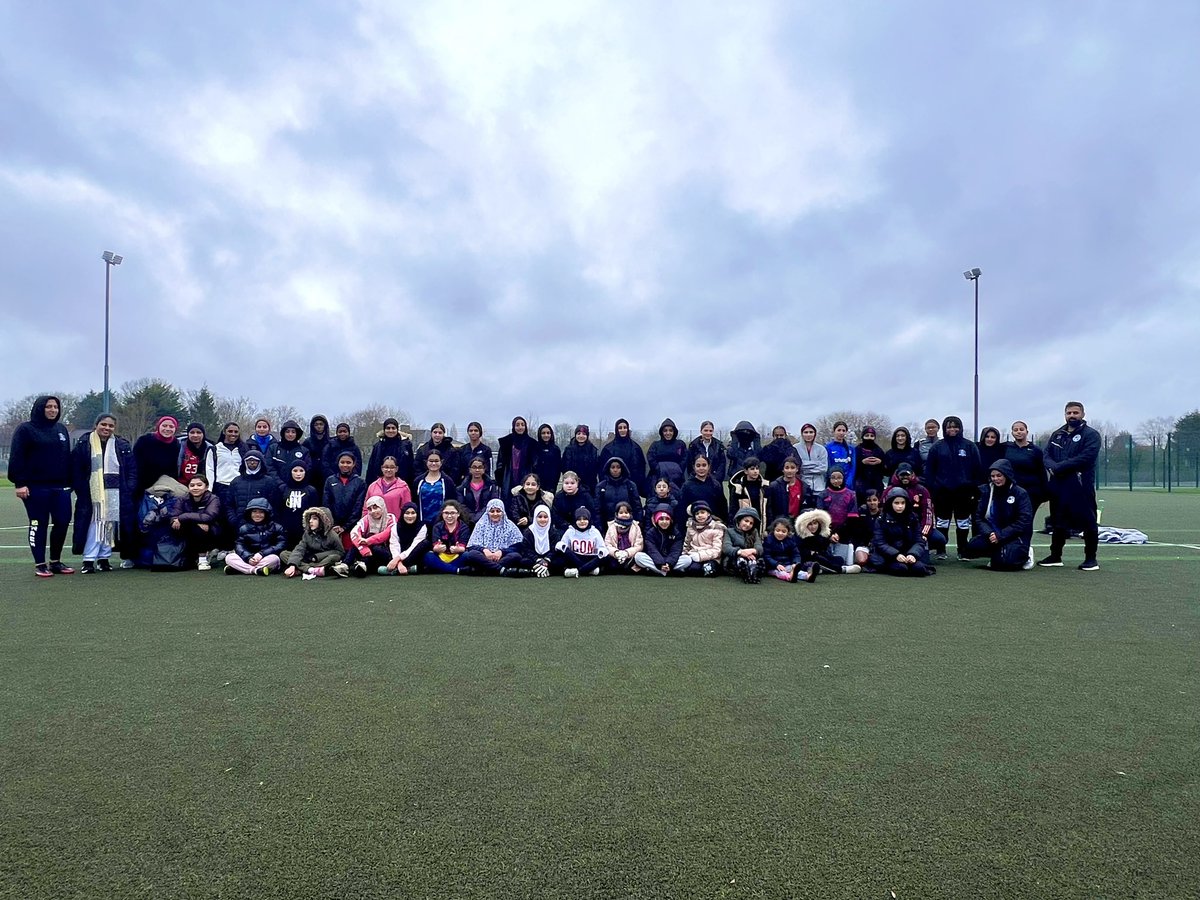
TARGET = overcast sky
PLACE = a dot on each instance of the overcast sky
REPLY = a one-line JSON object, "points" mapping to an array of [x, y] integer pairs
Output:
{"points": [[588, 210]]}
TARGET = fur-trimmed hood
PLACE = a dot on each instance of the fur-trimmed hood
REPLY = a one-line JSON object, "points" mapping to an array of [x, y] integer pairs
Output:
{"points": [[322, 513], [814, 515]]}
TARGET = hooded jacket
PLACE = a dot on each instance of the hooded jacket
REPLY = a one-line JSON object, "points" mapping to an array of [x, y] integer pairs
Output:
{"points": [[547, 461], [344, 499], [400, 447], [952, 462], [814, 547], [744, 442], [896, 534], [286, 453], [667, 457], [1006, 511], [40, 453], [747, 493], [316, 447], [334, 450], [919, 499], [291, 499], [611, 491], [703, 542], [773, 455], [584, 460], [321, 547], [629, 452], [714, 452], [249, 486], [265, 537], [735, 539], [814, 465]]}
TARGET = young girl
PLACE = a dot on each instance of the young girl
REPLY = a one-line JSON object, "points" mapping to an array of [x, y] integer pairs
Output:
{"points": [[494, 545], [625, 448], [702, 487], [582, 546], [569, 498], [374, 539], [749, 488], [742, 549], [868, 465], [842, 505], [477, 489], [547, 458], [615, 486], [526, 499], [396, 444], [703, 538], [781, 552], [319, 551], [664, 495], [711, 449], [291, 500], [413, 537], [582, 458], [393, 491], [197, 521], [840, 452], [197, 456], [475, 448], [537, 545], [434, 489], [815, 536], [786, 496], [443, 445], [449, 535], [898, 548], [903, 451], [663, 545], [623, 539], [259, 542], [990, 447]]}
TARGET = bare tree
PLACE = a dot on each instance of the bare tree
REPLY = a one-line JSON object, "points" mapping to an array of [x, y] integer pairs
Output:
{"points": [[856, 421], [235, 409], [1157, 428]]}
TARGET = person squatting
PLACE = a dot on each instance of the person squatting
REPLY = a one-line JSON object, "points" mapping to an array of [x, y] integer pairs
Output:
{"points": [[317, 506]]}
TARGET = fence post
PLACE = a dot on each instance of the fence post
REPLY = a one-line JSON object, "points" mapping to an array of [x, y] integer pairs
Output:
{"points": [[1154, 460], [1167, 461], [1131, 463]]}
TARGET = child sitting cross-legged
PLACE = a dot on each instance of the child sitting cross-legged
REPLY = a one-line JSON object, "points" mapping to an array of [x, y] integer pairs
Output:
{"points": [[259, 542], [781, 551], [624, 540], [582, 546], [319, 551], [814, 535]]}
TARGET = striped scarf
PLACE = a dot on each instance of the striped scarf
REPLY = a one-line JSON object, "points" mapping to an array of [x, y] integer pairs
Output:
{"points": [[103, 485]]}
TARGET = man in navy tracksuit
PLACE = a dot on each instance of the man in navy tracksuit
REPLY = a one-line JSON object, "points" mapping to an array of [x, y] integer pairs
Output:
{"points": [[1070, 457]]}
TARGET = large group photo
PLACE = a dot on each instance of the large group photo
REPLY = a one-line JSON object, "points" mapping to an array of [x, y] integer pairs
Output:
{"points": [[599, 450]]}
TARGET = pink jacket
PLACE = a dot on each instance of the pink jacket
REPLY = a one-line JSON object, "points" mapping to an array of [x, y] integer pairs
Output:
{"points": [[394, 495], [704, 544]]}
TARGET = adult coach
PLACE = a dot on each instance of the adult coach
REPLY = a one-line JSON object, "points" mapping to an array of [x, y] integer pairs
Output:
{"points": [[1071, 455], [39, 465]]}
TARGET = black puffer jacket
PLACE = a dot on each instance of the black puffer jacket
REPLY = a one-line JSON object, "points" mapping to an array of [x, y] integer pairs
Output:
{"points": [[249, 486]]}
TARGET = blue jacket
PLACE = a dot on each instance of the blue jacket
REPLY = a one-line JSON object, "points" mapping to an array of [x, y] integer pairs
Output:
{"points": [[842, 455], [780, 553]]}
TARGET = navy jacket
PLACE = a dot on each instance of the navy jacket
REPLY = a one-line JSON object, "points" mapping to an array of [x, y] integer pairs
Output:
{"points": [[1029, 469], [611, 491], [490, 491], [744, 442], [710, 491], [40, 451], [562, 512], [663, 547], [399, 447], [953, 463], [247, 487], [81, 473], [584, 460], [667, 457], [345, 501], [333, 451], [773, 455], [547, 464]]}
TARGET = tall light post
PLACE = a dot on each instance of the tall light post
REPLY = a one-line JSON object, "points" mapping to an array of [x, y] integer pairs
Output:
{"points": [[110, 260], [973, 275]]}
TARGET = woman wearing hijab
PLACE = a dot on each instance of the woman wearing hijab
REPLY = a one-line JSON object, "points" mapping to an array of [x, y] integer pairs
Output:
{"points": [[581, 457], [903, 451], [991, 448], [392, 442], [39, 465], [868, 464], [104, 477], [157, 454], [514, 460], [629, 451], [197, 456], [547, 458], [413, 537], [537, 545], [495, 543]]}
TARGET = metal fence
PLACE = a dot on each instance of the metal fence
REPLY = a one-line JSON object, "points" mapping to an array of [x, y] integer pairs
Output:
{"points": [[1163, 463]]}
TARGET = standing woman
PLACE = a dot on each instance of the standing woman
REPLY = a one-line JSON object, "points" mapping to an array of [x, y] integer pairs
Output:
{"points": [[711, 449], [434, 490], [868, 465], [990, 447], [903, 451], [395, 443], [104, 477], [157, 454], [841, 453], [1029, 465], [629, 451], [39, 464], [515, 458], [582, 458], [229, 452], [443, 445], [668, 454], [197, 456], [474, 448], [547, 459], [814, 460]]}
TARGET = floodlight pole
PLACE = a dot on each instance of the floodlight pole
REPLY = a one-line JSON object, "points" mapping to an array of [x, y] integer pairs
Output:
{"points": [[976, 424], [110, 260]]}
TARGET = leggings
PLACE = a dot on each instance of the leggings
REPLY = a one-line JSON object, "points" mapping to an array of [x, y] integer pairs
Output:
{"points": [[238, 564], [43, 506]]}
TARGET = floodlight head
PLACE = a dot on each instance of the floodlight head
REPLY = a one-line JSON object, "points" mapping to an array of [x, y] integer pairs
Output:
{"points": [[972, 274], [116, 260], [111, 258]]}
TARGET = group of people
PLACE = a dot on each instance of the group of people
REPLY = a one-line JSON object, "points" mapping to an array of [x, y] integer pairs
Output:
{"points": [[316, 505]]}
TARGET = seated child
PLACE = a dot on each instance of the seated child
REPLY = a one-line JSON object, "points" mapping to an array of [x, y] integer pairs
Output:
{"points": [[537, 545], [319, 551], [742, 549], [259, 542], [814, 535], [781, 551], [582, 546], [373, 539], [412, 536], [664, 546], [450, 535], [842, 505], [703, 538], [899, 547], [623, 539]]}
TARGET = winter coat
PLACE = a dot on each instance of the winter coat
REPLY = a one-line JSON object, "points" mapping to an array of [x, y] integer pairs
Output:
{"points": [[314, 547], [781, 553], [714, 453], [265, 537], [710, 491], [81, 473], [344, 499], [895, 535], [154, 459], [663, 547], [777, 500], [920, 502], [654, 503], [334, 450], [773, 455], [735, 539], [814, 547], [741, 494], [611, 491], [450, 458], [703, 543], [249, 486], [1071, 461], [394, 495], [1029, 469], [205, 511], [466, 454], [40, 452], [744, 442], [892, 458], [584, 460], [630, 453], [285, 454], [562, 510], [316, 447], [521, 507], [953, 463], [400, 447], [1007, 512], [506, 476], [477, 503], [667, 457], [868, 476], [636, 541], [547, 464]]}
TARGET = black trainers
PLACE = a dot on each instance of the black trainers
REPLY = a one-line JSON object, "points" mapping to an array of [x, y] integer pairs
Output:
{"points": [[88, 568], [1051, 562], [1089, 565], [103, 565], [61, 568]]}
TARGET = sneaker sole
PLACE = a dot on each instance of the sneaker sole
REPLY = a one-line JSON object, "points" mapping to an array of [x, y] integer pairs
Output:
{"points": [[1056, 565]]}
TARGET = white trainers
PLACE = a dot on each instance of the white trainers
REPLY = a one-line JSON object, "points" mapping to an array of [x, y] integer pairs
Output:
{"points": [[341, 570], [127, 564], [308, 576], [203, 565], [1029, 563], [570, 573], [595, 571], [851, 570]]}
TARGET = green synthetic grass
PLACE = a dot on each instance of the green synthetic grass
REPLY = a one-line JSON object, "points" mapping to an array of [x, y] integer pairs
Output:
{"points": [[974, 734]]}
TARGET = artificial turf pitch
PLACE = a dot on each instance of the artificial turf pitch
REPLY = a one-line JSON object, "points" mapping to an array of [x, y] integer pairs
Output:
{"points": [[973, 734]]}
